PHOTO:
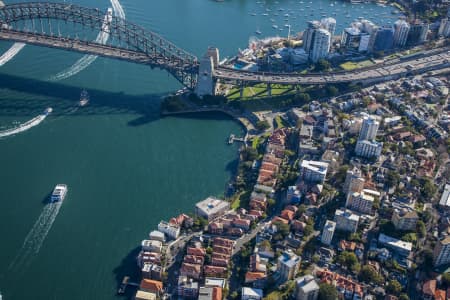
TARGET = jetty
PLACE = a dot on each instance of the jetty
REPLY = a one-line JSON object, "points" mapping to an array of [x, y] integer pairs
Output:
{"points": [[123, 286], [233, 139]]}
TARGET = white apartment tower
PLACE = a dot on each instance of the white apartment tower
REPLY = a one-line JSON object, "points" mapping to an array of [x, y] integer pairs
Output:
{"points": [[328, 232], [321, 45], [329, 24], [369, 129], [308, 35], [401, 30]]}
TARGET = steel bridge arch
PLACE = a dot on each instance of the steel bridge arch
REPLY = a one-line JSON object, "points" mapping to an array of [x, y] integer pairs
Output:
{"points": [[160, 52]]}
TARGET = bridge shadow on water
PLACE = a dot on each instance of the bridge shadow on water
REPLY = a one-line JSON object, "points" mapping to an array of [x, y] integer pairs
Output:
{"points": [[31, 96]]}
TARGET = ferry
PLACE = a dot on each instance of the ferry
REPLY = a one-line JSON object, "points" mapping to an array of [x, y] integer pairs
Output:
{"points": [[84, 98], [59, 193]]}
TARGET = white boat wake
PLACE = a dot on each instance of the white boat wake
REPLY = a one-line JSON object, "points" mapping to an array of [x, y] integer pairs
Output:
{"points": [[8, 55], [27, 125], [35, 238], [86, 60], [118, 9]]}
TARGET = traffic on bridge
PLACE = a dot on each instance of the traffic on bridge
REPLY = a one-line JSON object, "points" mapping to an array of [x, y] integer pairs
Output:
{"points": [[142, 46], [428, 60]]}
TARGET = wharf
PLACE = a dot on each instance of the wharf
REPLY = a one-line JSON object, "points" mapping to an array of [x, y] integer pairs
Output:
{"points": [[123, 286], [233, 139]]}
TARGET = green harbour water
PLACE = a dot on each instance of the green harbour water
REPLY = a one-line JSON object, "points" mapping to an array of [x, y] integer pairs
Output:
{"points": [[126, 167]]}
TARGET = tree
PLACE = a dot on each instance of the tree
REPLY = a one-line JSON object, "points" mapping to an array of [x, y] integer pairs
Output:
{"points": [[172, 104], [315, 258], [368, 275], [249, 154], [282, 228], [308, 230], [403, 296], [302, 98], [332, 90], [301, 210], [340, 175], [355, 268], [446, 279], [327, 292], [265, 244], [262, 125], [427, 262], [392, 178], [234, 295], [355, 237], [322, 65], [421, 229], [271, 202], [349, 260], [394, 287], [410, 237], [428, 189]]}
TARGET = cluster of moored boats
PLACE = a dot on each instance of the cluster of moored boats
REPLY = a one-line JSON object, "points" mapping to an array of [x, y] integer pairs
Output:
{"points": [[310, 9]]}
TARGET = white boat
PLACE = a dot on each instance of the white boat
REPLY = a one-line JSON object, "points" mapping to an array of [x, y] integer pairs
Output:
{"points": [[258, 32], [84, 98], [275, 26], [59, 193]]}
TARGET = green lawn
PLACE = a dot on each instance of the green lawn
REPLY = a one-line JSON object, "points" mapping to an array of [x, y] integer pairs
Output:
{"points": [[255, 142], [349, 65], [236, 203], [258, 91], [279, 122]]}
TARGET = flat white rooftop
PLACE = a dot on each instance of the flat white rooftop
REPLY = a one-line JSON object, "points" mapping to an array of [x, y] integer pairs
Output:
{"points": [[445, 198], [348, 214], [316, 166], [393, 242]]}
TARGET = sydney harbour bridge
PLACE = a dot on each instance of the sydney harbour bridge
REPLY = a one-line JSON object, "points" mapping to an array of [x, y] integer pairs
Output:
{"points": [[52, 25]]}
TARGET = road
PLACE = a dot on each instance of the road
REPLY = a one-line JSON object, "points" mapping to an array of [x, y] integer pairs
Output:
{"points": [[391, 69], [247, 238]]}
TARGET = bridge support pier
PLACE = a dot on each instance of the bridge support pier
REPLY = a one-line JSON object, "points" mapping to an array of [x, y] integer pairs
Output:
{"points": [[269, 90], [206, 84]]}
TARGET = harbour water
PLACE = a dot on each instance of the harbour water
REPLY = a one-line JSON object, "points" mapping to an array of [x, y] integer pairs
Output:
{"points": [[126, 168]]}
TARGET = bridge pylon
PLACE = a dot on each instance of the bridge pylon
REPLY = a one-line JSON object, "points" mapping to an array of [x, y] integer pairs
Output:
{"points": [[206, 83]]}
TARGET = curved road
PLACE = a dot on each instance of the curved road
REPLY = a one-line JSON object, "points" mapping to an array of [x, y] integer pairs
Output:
{"points": [[422, 62]]}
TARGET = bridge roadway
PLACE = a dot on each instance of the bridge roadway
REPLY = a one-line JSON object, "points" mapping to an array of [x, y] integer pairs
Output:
{"points": [[88, 47], [396, 68]]}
